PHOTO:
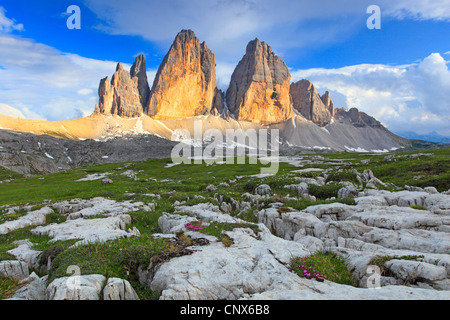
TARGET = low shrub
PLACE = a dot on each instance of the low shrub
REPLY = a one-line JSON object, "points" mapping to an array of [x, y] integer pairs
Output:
{"points": [[326, 191]]}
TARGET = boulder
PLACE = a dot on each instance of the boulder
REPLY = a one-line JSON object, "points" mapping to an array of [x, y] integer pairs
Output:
{"points": [[89, 230], [107, 181], [119, 289], [263, 190], [347, 192], [413, 271], [14, 269], [32, 218], [79, 287], [33, 288], [24, 252]]}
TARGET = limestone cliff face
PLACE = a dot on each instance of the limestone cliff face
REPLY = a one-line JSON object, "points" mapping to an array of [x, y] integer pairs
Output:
{"points": [[326, 99], [139, 70], [307, 101], [259, 86], [357, 118], [126, 94], [185, 84]]}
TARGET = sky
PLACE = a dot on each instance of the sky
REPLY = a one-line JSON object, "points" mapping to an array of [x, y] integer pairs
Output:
{"points": [[398, 73]]}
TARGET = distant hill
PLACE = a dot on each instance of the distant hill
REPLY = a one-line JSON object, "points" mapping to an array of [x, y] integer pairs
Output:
{"points": [[431, 137]]}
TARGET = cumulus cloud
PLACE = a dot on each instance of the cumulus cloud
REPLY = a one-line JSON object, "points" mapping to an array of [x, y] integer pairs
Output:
{"points": [[45, 83], [404, 97], [8, 25], [39, 81], [10, 111], [418, 9], [228, 25]]}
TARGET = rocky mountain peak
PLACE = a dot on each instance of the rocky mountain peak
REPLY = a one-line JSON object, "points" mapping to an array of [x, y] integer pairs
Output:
{"points": [[357, 118], [308, 102], [326, 99], [119, 66], [139, 70], [259, 86], [125, 93], [185, 84]]}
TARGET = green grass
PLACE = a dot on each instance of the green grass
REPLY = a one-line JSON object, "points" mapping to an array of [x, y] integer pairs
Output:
{"points": [[420, 172], [339, 176], [216, 229], [321, 266], [8, 287], [418, 207], [120, 258], [326, 191], [6, 174]]}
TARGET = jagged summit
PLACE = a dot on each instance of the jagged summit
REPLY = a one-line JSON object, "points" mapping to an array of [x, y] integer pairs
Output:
{"points": [[260, 89], [260, 95], [139, 70], [307, 101], [185, 84], [126, 93], [259, 86]]}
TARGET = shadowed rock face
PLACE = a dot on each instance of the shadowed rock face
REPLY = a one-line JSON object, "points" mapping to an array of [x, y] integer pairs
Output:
{"points": [[357, 118], [139, 70], [310, 104], [259, 86], [123, 95], [326, 99], [185, 84]]}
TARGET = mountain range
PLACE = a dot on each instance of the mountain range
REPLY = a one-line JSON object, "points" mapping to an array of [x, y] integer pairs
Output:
{"points": [[260, 95], [432, 137]]}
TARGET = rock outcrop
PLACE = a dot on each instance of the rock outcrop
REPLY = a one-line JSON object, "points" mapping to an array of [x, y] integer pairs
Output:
{"points": [[185, 84], [326, 99], [357, 118], [139, 70], [259, 86], [123, 96], [307, 101]]}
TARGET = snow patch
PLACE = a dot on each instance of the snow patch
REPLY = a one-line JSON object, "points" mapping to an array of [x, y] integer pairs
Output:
{"points": [[359, 149], [49, 156], [94, 176]]}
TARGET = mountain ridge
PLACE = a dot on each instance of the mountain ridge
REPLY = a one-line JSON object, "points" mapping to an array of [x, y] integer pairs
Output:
{"points": [[184, 93]]}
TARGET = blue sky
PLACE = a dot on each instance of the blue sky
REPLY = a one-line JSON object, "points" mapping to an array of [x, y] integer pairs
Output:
{"points": [[399, 73]]}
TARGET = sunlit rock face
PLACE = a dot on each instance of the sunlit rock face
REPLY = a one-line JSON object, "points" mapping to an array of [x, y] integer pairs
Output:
{"points": [[259, 86], [185, 84]]}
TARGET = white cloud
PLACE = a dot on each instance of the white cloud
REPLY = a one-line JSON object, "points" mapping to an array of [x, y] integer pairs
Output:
{"points": [[10, 111], [413, 97], [418, 9], [45, 83], [39, 81], [228, 25], [223, 75], [7, 25], [85, 91]]}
